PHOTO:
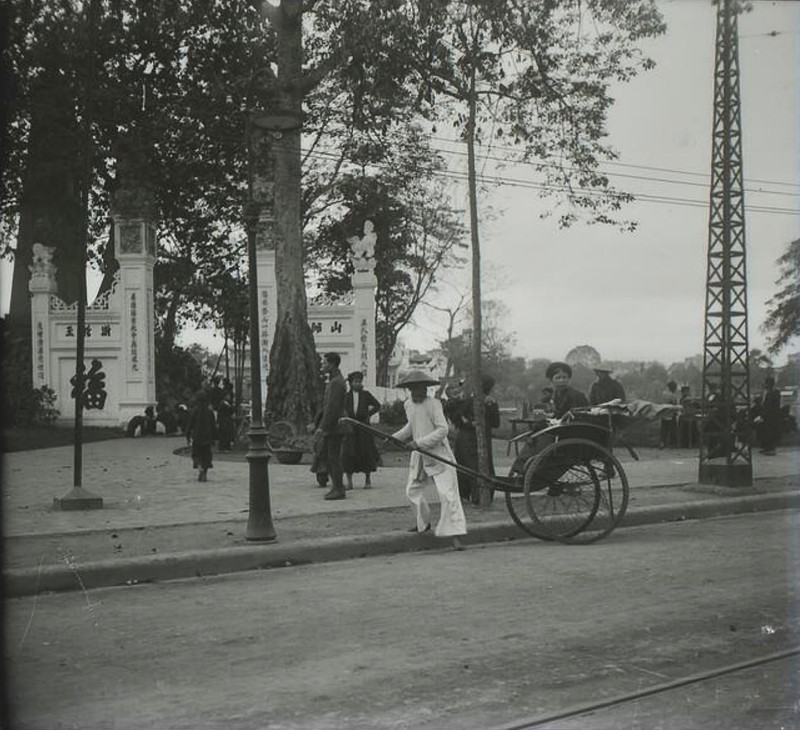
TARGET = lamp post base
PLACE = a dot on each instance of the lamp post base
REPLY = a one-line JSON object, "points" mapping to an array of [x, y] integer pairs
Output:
{"points": [[259, 520], [78, 498]]}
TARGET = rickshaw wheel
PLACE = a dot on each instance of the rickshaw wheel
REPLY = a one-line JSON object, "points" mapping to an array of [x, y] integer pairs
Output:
{"points": [[576, 491], [529, 526]]}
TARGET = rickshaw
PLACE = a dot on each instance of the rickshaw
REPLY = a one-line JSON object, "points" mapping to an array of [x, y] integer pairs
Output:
{"points": [[566, 485]]}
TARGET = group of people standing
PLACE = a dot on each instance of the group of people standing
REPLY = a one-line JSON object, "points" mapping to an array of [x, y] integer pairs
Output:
{"points": [[339, 449], [342, 449]]}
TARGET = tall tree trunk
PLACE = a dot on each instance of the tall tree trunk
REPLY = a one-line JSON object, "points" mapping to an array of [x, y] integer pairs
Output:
{"points": [[293, 380], [50, 209], [485, 495]]}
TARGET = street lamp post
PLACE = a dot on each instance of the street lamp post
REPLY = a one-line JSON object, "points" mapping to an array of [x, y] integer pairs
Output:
{"points": [[259, 520], [272, 123]]}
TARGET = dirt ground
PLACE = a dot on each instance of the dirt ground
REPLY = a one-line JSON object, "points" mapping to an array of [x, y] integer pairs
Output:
{"points": [[423, 641]]}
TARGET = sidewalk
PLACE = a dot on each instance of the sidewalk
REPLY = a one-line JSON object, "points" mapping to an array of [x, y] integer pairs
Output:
{"points": [[159, 523]]}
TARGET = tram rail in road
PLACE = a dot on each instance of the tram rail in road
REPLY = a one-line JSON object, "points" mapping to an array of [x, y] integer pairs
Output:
{"points": [[692, 679]]}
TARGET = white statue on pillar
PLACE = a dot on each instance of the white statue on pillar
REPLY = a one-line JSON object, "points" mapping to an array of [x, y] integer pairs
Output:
{"points": [[42, 268], [362, 250]]}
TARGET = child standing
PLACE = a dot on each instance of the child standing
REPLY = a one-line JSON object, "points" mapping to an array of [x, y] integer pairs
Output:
{"points": [[201, 433], [427, 429]]}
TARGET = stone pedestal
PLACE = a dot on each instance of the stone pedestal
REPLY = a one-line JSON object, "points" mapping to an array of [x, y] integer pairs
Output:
{"points": [[364, 285]]}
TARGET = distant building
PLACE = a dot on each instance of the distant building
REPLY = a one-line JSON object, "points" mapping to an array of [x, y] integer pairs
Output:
{"points": [[433, 362]]}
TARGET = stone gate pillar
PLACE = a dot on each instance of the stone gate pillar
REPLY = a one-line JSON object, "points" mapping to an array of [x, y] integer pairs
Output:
{"points": [[267, 306], [343, 328], [42, 286], [133, 215], [364, 284]]}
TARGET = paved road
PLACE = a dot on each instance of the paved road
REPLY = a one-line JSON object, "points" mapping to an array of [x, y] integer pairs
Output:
{"points": [[437, 640], [765, 697]]}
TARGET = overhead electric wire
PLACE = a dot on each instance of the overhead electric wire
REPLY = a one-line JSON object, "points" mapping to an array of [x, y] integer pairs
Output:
{"points": [[531, 184], [191, 111], [614, 163], [625, 175], [502, 180]]}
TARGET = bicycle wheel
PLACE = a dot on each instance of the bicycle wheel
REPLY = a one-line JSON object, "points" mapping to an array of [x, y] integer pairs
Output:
{"points": [[562, 494]]}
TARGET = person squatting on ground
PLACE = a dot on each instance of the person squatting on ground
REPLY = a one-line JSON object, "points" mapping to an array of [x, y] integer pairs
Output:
{"points": [[200, 433], [427, 429], [329, 427], [359, 453]]}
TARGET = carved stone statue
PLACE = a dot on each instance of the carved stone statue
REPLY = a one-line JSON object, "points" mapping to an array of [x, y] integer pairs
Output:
{"points": [[362, 250], [42, 264]]}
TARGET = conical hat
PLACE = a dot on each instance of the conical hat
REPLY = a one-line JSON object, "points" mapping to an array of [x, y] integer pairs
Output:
{"points": [[416, 377]]}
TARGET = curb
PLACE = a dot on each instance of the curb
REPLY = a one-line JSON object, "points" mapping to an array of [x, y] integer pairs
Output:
{"points": [[199, 563]]}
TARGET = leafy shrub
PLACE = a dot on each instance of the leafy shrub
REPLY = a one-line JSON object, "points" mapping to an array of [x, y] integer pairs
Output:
{"points": [[178, 376], [36, 407], [393, 414]]}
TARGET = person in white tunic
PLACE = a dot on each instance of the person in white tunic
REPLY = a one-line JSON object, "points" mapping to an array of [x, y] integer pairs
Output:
{"points": [[427, 429]]}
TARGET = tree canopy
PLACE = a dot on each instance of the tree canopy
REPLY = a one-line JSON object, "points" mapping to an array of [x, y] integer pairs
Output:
{"points": [[783, 314], [181, 77]]}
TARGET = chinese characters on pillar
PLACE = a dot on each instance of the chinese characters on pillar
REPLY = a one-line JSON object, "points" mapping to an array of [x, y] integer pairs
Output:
{"points": [[134, 358], [364, 350], [265, 332], [39, 351]]}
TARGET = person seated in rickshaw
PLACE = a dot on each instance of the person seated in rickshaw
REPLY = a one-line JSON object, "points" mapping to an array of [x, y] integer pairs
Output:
{"points": [[565, 398]]}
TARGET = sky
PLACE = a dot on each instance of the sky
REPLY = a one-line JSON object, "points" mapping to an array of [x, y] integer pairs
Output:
{"points": [[639, 296]]}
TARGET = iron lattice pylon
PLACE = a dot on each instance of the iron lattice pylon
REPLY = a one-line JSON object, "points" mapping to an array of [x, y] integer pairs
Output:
{"points": [[725, 456]]}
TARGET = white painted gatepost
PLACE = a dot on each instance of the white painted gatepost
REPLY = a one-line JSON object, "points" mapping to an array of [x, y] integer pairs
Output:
{"points": [[348, 329], [119, 328], [120, 323]]}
